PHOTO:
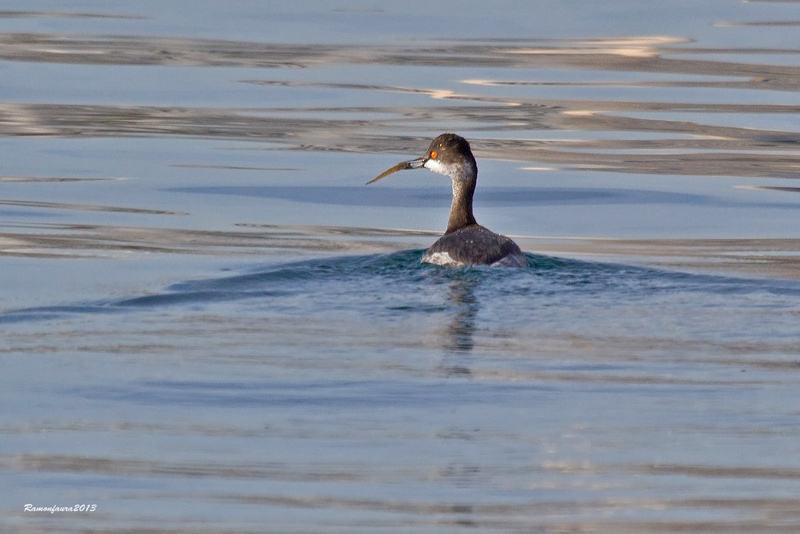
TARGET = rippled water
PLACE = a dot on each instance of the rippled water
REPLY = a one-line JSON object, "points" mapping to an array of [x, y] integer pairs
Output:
{"points": [[210, 324]]}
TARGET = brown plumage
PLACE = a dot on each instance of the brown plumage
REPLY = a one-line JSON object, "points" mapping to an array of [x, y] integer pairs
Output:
{"points": [[465, 242]]}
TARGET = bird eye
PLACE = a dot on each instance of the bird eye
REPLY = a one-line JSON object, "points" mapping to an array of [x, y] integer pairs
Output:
{"points": [[434, 154]]}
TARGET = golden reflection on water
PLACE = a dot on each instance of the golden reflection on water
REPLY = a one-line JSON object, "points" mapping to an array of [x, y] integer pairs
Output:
{"points": [[775, 257], [676, 147]]}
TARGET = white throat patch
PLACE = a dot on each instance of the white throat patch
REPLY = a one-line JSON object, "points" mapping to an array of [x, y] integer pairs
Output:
{"points": [[436, 166]]}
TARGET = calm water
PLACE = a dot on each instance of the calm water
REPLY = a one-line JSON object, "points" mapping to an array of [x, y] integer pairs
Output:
{"points": [[210, 324]]}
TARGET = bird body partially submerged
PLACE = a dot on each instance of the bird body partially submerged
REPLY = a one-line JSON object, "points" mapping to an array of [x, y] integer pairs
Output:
{"points": [[475, 245], [465, 242]]}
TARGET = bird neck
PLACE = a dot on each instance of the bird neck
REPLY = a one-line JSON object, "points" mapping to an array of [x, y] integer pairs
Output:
{"points": [[461, 208]]}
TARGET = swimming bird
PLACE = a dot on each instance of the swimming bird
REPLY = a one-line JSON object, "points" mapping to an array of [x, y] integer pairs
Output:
{"points": [[465, 242]]}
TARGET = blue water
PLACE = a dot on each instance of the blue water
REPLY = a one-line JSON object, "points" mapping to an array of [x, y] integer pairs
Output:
{"points": [[386, 394], [378, 284], [209, 323]]}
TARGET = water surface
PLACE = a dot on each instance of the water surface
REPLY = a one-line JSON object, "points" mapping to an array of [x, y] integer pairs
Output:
{"points": [[210, 324]]}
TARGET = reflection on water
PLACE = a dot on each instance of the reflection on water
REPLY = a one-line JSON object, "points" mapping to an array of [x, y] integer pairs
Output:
{"points": [[210, 325], [436, 397], [463, 325], [760, 151]]}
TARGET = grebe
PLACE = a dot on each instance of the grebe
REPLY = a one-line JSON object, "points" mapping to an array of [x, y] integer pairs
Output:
{"points": [[465, 242]]}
